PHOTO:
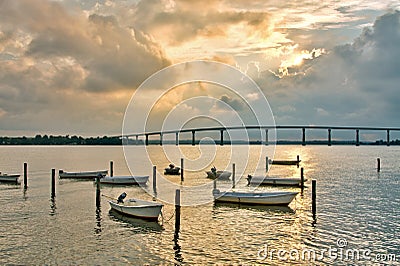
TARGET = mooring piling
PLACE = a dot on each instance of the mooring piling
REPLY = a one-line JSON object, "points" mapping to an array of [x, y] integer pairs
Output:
{"points": [[378, 160], [177, 210], [314, 199], [25, 175], [233, 175], [155, 180], [266, 164], [181, 169], [302, 178], [98, 199], [53, 183], [111, 168]]}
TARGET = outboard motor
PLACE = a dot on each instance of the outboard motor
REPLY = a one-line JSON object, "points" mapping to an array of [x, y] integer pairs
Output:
{"points": [[249, 177], [121, 198]]}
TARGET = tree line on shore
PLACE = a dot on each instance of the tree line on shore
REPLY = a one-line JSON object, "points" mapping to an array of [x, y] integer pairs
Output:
{"points": [[105, 140], [60, 140]]}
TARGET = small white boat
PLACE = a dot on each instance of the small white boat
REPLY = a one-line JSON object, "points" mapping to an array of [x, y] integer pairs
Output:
{"points": [[261, 198], [138, 208], [274, 181], [219, 174], [9, 178], [125, 180], [82, 175], [284, 162], [222, 175]]}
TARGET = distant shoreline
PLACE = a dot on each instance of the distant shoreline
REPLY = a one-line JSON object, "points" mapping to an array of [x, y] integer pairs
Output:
{"points": [[116, 141]]}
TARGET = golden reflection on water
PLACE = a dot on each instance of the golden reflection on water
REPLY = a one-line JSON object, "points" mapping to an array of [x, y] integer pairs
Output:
{"points": [[74, 229]]}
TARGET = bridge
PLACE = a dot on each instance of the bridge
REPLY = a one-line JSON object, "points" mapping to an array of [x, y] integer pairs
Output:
{"points": [[259, 127]]}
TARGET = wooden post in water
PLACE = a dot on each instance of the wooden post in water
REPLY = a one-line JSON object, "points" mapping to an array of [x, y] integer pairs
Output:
{"points": [[379, 164], [111, 168], [161, 139], [222, 138], [98, 200], [193, 138], [53, 183], [25, 175], [314, 199], [177, 210], [155, 180], [266, 137], [233, 175], [176, 138], [181, 169], [266, 164], [147, 139], [357, 137], [329, 137], [388, 137], [304, 137], [302, 178]]}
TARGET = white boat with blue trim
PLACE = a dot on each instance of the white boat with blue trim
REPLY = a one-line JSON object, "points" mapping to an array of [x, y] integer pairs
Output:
{"points": [[137, 208], [261, 198]]}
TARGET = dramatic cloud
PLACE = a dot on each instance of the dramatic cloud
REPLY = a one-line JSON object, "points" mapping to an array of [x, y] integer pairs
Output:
{"points": [[354, 84], [71, 66]]}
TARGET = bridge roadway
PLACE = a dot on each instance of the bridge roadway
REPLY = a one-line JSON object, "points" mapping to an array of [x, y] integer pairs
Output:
{"points": [[266, 128]]}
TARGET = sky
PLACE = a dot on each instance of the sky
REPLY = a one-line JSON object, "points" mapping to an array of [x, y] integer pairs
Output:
{"points": [[72, 67]]}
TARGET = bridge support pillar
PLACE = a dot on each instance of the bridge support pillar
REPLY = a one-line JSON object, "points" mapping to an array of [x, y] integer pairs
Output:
{"points": [[193, 138], [266, 137], [388, 137], [304, 137], [329, 137], [222, 138], [357, 137]]}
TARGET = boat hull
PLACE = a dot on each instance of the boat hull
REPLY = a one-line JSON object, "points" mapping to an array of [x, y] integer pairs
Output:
{"points": [[138, 208], [9, 178], [220, 175], [276, 181], [284, 162], [172, 171], [124, 180], [261, 198], [90, 175]]}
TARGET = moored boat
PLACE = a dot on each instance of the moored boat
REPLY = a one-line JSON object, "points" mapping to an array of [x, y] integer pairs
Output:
{"points": [[284, 162], [82, 175], [261, 198], [222, 175], [125, 180], [137, 208], [14, 178], [274, 181], [172, 170]]}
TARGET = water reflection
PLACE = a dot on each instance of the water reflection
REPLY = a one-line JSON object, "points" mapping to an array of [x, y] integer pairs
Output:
{"points": [[53, 206], [97, 229], [177, 248], [222, 206], [139, 225]]}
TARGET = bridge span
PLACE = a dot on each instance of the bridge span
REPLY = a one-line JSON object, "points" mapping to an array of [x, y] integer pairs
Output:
{"points": [[260, 127]]}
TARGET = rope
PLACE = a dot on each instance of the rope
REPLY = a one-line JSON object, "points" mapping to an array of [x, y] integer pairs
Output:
{"points": [[169, 219]]}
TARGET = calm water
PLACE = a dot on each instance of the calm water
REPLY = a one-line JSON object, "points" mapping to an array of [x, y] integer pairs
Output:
{"points": [[358, 209]]}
